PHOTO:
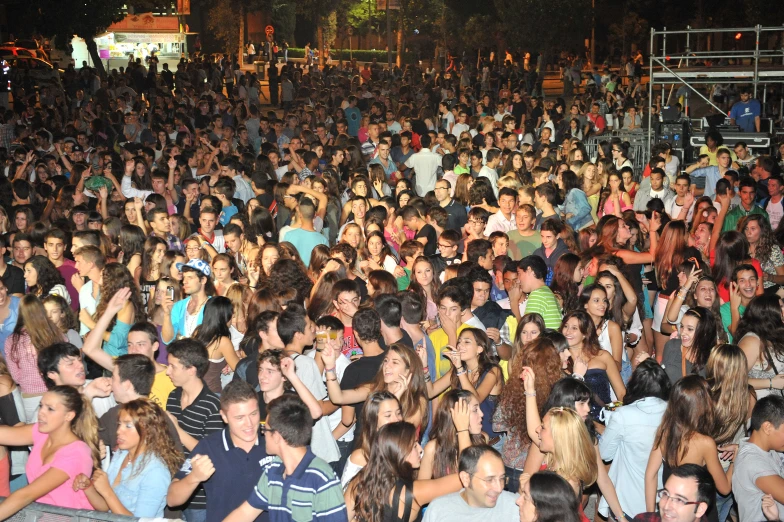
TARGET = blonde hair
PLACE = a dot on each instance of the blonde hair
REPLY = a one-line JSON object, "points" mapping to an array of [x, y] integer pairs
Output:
{"points": [[573, 455], [509, 181], [726, 372]]}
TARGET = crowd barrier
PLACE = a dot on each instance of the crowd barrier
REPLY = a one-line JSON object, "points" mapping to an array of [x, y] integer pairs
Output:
{"points": [[36, 512], [638, 149]]}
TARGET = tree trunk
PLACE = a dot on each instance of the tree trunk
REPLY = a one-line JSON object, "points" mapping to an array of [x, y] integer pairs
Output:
{"points": [[400, 39], [320, 40], [92, 48], [242, 35]]}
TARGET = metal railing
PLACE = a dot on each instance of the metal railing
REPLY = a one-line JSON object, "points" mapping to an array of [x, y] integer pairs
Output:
{"points": [[752, 65], [36, 512], [638, 147]]}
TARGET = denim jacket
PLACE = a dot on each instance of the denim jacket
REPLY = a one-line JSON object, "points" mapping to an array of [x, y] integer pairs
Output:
{"points": [[576, 203]]}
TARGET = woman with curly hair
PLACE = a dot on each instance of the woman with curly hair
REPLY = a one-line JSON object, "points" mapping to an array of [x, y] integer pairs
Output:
{"points": [[138, 478], [389, 474], [764, 248], [115, 277], [510, 417], [43, 279], [288, 274], [63, 317]]}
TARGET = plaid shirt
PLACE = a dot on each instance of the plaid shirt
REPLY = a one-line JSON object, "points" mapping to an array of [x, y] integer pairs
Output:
{"points": [[655, 517], [22, 363], [6, 135], [173, 242]]}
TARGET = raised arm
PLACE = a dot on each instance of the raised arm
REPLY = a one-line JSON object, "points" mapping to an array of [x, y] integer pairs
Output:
{"points": [[336, 395], [94, 340], [288, 369]]}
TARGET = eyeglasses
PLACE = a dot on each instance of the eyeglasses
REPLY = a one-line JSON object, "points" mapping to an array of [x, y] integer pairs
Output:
{"points": [[441, 246], [502, 481], [441, 188], [678, 502], [266, 429]]}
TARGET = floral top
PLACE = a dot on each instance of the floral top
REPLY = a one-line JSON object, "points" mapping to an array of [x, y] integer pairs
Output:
{"points": [[515, 451], [769, 265]]}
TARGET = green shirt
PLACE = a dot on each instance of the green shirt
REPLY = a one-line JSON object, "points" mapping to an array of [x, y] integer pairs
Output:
{"points": [[521, 246], [462, 170], [542, 301], [726, 318], [736, 214], [403, 282]]}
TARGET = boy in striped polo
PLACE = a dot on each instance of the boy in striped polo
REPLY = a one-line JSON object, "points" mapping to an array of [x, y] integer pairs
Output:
{"points": [[296, 485]]}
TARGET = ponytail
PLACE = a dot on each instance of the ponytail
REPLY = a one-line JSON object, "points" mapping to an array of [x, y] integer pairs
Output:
{"points": [[85, 422]]}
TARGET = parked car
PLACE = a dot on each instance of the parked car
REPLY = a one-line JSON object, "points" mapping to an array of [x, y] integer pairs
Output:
{"points": [[31, 45], [7, 50], [41, 71]]}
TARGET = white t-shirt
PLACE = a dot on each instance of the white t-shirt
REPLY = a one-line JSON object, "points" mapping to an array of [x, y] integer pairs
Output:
{"points": [[86, 302], [752, 463], [337, 416], [775, 212]]}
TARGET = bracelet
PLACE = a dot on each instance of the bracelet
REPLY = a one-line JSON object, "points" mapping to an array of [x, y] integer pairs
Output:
{"points": [[335, 379], [427, 377], [529, 394], [578, 376], [461, 431], [425, 368], [770, 383], [330, 370], [460, 371]]}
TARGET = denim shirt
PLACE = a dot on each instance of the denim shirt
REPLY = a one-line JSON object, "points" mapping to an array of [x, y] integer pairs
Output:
{"points": [[7, 327], [577, 204], [141, 491]]}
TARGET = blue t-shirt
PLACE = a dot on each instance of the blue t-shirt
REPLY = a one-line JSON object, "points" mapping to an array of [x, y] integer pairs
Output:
{"points": [[305, 241], [226, 214], [744, 114], [353, 117]]}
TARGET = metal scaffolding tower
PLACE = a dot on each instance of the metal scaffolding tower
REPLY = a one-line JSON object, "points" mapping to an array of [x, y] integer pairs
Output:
{"points": [[681, 64]]}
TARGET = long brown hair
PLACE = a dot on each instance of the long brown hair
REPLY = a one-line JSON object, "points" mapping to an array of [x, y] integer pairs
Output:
{"points": [[367, 435], [486, 364], [412, 399], [540, 355], [34, 322], [115, 277], [690, 411], [669, 253], [727, 376], [149, 420], [444, 433], [386, 465]]}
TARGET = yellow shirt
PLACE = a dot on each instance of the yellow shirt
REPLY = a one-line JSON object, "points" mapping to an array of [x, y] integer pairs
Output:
{"points": [[162, 386], [440, 342]]}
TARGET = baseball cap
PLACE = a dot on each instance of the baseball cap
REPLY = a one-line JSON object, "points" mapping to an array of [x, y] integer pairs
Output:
{"points": [[77, 148], [527, 140], [196, 264]]}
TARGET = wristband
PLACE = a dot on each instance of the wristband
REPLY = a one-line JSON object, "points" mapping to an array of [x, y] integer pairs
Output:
{"points": [[330, 370], [461, 431], [578, 376], [460, 371], [770, 383], [529, 394]]}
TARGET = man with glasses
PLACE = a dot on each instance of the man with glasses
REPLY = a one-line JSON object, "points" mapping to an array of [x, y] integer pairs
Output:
{"points": [[483, 476], [686, 496], [448, 246]]}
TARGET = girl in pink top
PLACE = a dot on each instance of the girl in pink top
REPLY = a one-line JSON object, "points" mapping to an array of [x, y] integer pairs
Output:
{"points": [[65, 445], [618, 200]]}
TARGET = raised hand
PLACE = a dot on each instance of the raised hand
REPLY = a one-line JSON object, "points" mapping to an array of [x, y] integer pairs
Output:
{"points": [[529, 379], [460, 415], [118, 300]]}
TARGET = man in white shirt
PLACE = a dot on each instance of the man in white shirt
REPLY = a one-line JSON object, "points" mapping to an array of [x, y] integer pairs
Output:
{"points": [[461, 126], [425, 164], [504, 219], [774, 206], [492, 160]]}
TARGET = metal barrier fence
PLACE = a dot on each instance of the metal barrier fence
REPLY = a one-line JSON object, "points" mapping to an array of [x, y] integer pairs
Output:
{"points": [[36, 512], [638, 147]]}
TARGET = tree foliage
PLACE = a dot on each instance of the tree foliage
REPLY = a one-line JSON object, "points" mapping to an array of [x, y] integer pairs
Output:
{"points": [[224, 24]]}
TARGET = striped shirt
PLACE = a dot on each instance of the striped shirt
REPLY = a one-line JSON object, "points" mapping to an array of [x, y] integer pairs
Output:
{"points": [[312, 492], [542, 301], [198, 420]]}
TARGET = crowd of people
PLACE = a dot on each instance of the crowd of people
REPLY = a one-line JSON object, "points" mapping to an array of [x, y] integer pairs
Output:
{"points": [[396, 300]]}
